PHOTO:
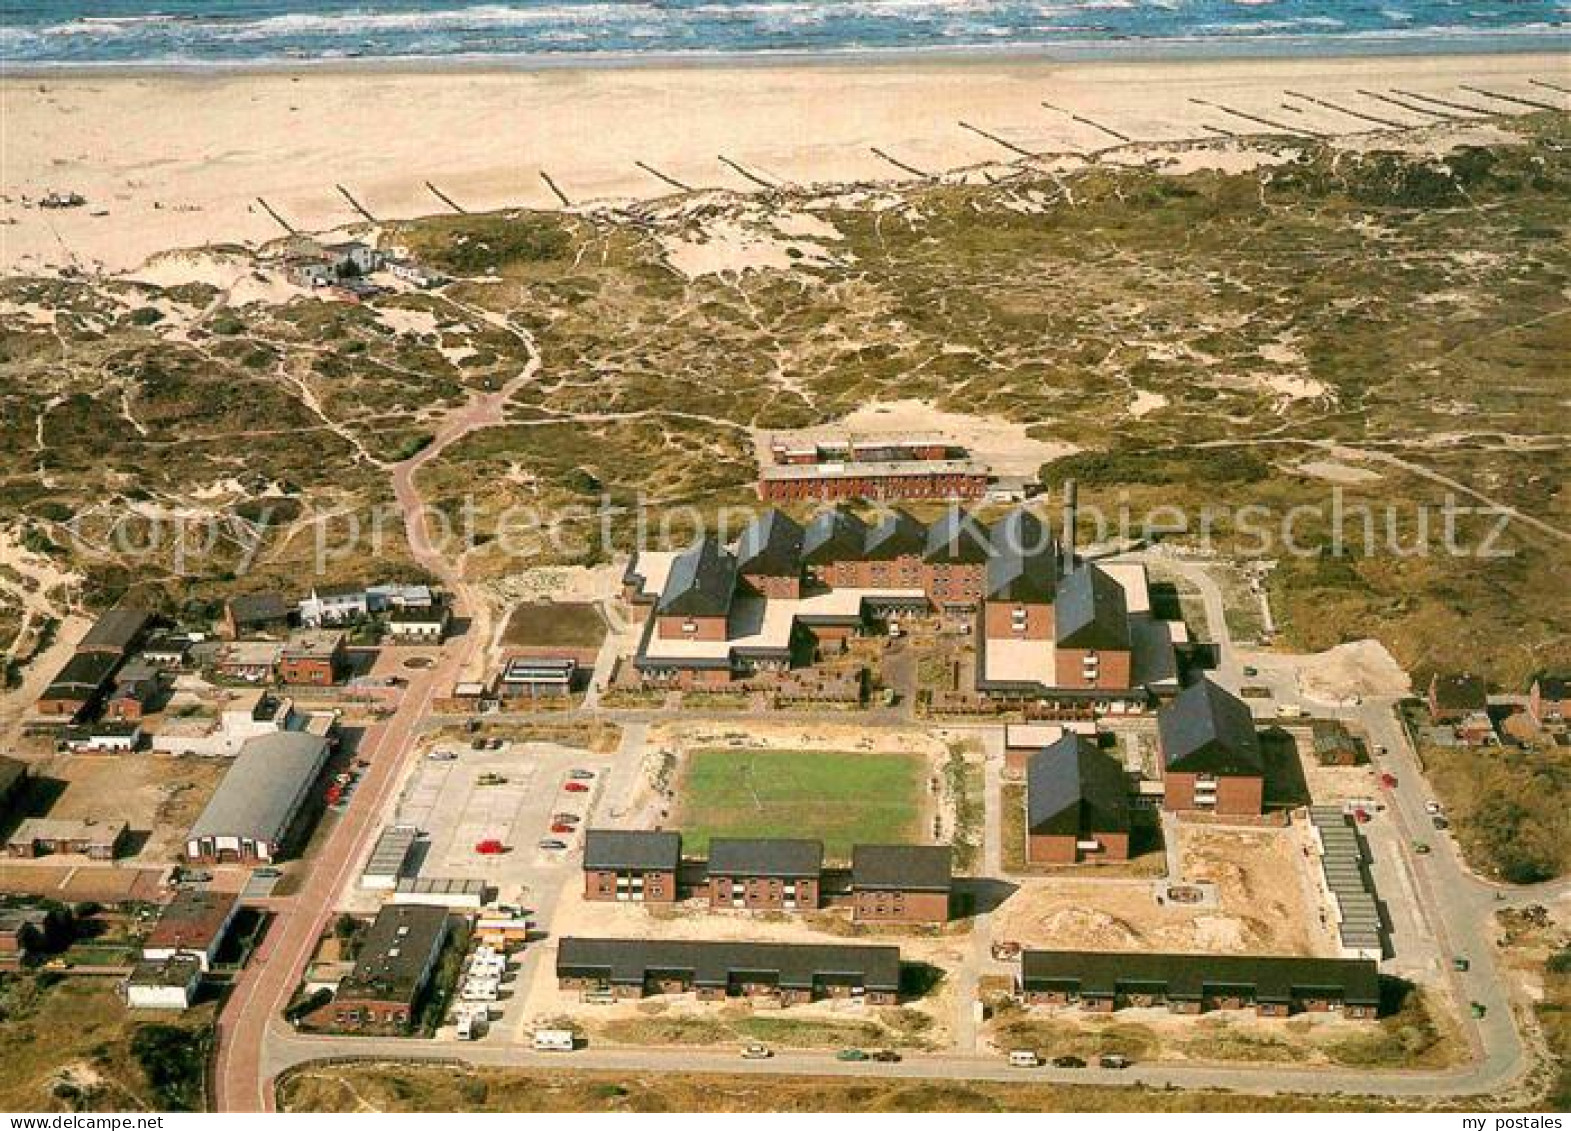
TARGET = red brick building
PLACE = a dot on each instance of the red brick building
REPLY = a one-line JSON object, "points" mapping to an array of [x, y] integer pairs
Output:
{"points": [[631, 866], [901, 883], [1102, 982], [765, 875], [786, 973], [385, 990], [314, 659], [1077, 804], [1210, 753], [1549, 701]]}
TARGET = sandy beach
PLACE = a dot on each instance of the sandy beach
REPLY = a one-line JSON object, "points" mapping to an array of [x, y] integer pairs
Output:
{"points": [[170, 160]]}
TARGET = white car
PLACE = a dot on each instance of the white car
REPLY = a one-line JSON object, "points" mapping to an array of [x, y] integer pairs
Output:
{"points": [[1432, 807]]}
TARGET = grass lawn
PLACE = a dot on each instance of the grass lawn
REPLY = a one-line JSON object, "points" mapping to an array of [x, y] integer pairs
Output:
{"points": [[839, 798], [554, 624]]}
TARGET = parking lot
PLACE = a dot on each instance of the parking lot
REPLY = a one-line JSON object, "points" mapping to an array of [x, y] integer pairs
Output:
{"points": [[508, 796]]}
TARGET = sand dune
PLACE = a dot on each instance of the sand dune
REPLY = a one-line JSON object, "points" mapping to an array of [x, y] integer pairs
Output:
{"points": [[177, 160]]}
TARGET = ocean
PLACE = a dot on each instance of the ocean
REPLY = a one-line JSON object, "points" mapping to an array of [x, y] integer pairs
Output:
{"points": [[190, 33]]}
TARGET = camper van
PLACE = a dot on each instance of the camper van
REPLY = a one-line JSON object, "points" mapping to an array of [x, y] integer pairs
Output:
{"points": [[553, 1040]]}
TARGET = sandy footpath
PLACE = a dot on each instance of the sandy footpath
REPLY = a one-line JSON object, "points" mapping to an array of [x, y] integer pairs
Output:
{"points": [[173, 160]]}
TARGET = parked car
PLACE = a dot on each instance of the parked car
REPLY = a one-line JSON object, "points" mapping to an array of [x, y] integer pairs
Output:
{"points": [[1432, 807], [267, 873], [1477, 1009], [565, 818], [851, 1055], [492, 847], [1440, 822], [756, 1051], [443, 755], [1388, 780], [576, 787], [1114, 1060], [552, 845], [494, 744], [1361, 816], [1023, 1058], [581, 775], [477, 744], [1251, 672], [887, 1056], [1420, 848], [1380, 750], [562, 830], [1460, 964], [1068, 1062]]}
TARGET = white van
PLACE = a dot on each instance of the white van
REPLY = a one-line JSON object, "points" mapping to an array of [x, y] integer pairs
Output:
{"points": [[466, 1026], [553, 1040], [1024, 1058]]}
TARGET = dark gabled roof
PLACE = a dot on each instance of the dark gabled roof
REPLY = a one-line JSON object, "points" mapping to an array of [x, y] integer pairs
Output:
{"points": [[1207, 730], [701, 582], [771, 546], [956, 538], [1190, 977], [901, 867], [1554, 687], [1090, 612], [1024, 565], [897, 536], [832, 536], [116, 631], [12, 771], [1074, 788], [796, 966], [1022, 531], [254, 608], [1459, 692], [623, 850], [81, 676], [729, 856]]}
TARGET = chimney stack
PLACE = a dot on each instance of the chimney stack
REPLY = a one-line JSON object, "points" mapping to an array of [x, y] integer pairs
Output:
{"points": [[1070, 504]]}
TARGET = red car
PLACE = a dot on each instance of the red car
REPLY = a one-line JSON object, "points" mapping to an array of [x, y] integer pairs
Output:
{"points": [[1361, 816], [576, 787], [1388, 780], [561, 829], [490, 848]]}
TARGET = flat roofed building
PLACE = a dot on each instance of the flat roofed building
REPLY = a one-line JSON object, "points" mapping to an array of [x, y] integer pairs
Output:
{"points": [[255, 614], [442, 891], [1210, 753], [168, 983], [389, 858], [765, 874], [791, 973], [315, 659], [1077, 804], [527, 676], [901, 883], [65, 836], [1453, 697], [398, 956], [194, 923], [250, 816], [631, 865], [1195, 983]]}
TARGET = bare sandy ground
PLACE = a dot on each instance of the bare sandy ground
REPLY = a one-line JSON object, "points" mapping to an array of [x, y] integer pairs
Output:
{"points": [[179, 160]]}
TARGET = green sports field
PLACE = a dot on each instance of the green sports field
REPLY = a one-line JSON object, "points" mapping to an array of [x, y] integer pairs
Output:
{"points": [[839, 798]]}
